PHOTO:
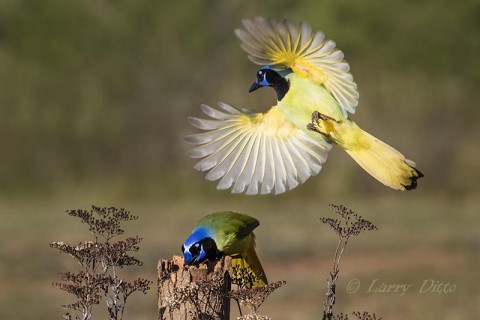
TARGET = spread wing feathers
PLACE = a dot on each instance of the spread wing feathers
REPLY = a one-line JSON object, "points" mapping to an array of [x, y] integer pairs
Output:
{"points": [[286, 45], [254, 152]]}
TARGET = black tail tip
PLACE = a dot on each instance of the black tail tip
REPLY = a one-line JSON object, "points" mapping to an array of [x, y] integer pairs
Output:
{"points": [[417, 175]]}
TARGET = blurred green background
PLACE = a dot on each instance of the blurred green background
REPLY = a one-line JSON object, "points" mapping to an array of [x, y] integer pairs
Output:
{"points": [[93, 101]]}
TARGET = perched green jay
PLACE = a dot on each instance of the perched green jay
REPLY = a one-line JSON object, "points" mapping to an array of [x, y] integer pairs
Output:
{"points": [[226, 233]]}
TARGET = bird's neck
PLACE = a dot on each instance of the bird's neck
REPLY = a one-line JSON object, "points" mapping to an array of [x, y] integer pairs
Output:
{"points": [[281, 88]]}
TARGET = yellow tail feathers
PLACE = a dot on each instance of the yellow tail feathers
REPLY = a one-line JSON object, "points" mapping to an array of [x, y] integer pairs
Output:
{"points": [[380, 160], [248, 271], [384, 163]]}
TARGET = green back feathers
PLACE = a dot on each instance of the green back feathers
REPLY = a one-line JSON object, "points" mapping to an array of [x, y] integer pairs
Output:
{"points": [[228, 226]]}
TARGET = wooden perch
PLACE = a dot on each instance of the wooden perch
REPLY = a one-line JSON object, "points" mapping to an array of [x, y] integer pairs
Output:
{"points": [[193, 292]]}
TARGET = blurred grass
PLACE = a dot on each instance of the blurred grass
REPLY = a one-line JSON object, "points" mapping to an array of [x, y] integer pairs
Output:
{"points": [[102, 89], [92, 110], [421, 237]]}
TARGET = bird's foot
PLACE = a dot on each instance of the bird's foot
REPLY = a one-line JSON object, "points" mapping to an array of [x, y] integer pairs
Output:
{"points": [[322, 124], [317, 116]]}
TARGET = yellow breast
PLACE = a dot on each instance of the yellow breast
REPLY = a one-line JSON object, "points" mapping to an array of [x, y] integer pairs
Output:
{"points": [[303, 98]]}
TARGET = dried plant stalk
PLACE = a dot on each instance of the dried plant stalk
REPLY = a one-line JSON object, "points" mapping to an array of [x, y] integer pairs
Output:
{"points": [[253, 298], [350, 224], [100, 261]]}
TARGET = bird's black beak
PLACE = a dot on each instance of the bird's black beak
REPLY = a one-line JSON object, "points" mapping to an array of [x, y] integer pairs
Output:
{"points": [[254, 86], [187, 258]]}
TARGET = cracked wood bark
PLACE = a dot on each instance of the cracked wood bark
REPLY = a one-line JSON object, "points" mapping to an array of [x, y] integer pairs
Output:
{"points": [[193, 292]]}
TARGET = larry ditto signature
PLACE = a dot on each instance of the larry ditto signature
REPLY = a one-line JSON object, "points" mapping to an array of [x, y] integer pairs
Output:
{"points": [[431, 286]]}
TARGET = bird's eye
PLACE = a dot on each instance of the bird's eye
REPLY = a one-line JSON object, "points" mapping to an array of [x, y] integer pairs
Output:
{"points": [[195, 249], [183, 248]]}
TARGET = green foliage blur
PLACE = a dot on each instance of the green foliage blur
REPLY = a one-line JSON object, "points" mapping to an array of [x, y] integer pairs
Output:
{"points": [[99, 90]]}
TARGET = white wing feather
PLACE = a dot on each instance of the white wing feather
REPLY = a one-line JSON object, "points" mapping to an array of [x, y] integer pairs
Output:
{"points": [[286, 45], [254, 153]]}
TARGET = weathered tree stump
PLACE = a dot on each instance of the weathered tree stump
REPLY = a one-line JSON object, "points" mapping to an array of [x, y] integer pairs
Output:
{"points": [[193, 292]]}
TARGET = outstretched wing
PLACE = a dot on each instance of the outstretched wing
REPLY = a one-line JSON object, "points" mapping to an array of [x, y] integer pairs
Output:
{"points": [[254, 152], [286, 45]]}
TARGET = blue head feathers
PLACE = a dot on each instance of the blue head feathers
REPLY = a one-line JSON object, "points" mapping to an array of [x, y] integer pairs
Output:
{"points": [[267, 77], [264, 78], [199, 246]]}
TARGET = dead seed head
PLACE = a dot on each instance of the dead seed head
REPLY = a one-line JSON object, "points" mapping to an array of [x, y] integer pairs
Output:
{"points": [[350, 224], [254, 297], [98, 259]]}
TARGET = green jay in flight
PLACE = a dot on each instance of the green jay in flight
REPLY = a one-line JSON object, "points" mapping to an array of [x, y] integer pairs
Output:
{"points": [[226, 233], [275, 151]]}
